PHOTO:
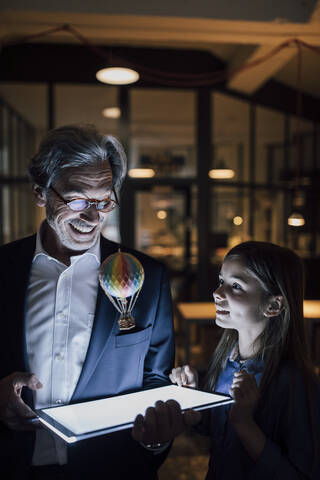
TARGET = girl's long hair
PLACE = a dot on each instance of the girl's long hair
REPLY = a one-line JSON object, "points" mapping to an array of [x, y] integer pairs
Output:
{"points": [[280, 272]]}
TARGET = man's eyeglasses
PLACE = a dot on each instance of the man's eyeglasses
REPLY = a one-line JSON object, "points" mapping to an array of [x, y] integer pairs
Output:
{"points": [[80, 204]]}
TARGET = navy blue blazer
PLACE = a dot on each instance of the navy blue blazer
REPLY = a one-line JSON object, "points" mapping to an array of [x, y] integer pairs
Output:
{"points": [[116, 362]]}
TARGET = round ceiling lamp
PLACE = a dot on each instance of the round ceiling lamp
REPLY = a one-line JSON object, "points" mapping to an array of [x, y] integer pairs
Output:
{"points": [[161, 214], [296, 220], [237, 220], [117, 75], [111, 112]]}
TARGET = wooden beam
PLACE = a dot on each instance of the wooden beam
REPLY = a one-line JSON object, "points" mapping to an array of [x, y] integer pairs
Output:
{"points": [[250, 80], [154, 30]]}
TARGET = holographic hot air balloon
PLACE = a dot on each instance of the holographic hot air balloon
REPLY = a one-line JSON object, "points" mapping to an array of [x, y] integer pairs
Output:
{"points": [[121, 278]]}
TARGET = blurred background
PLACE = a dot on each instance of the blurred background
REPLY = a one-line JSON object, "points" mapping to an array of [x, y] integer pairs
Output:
{"points": [[217, 153]]}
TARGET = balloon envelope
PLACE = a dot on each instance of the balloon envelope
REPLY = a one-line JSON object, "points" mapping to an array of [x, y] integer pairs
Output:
{"points": [[121, 275]]}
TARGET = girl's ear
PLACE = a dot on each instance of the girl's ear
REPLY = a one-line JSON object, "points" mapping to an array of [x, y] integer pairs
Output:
{"points": [[41, 199], [274, 306]]}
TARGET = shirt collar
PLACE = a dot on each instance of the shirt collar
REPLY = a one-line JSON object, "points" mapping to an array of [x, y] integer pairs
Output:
{"points": [[94, 250], [252, 365]]}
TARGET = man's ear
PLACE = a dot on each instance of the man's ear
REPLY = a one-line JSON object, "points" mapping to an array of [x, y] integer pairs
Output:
{"points": [[274, 306], [40, 196]]}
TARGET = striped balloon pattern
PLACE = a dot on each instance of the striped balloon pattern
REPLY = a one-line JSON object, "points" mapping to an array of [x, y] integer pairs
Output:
{"points": [[121, 275]]}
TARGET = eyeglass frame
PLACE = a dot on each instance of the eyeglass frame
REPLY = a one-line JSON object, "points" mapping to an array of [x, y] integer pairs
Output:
{"points": [[90, 201]]}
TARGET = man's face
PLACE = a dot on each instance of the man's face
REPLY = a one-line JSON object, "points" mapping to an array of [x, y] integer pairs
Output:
{"points": [[78, 231]]}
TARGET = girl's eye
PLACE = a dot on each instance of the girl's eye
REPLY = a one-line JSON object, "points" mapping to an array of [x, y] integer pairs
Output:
{"points": [[220, 281], [236, 286]]}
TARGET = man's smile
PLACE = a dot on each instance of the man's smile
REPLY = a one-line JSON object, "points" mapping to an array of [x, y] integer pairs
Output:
{"points": [[81, 227]]}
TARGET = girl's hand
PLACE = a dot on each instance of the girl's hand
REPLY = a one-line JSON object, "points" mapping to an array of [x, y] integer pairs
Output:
{"points": [[245, 392], [162, 423], [184, 376]]}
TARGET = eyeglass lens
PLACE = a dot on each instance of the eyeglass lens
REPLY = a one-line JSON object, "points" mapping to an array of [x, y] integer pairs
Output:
{"points": [[82, 204]]}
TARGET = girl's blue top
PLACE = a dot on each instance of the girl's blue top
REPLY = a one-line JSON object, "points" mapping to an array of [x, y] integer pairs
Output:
{"points": [[283, 416]]}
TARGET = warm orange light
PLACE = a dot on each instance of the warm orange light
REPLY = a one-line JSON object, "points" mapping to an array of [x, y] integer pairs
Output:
{"points": [[162, 214], [111, 112], [117, 76], [141, 173], [296, 220], [311, 308], [237, 220], [221, 173]]}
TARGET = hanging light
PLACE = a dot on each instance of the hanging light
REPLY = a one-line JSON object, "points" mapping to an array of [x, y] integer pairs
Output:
{"points": [[111, 112], [162, 214], [221, 172], [141, 173], [117, 75], [296, 219], [237, 220]]}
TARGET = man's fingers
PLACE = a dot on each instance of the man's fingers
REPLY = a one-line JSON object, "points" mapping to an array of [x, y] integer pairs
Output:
{"points": [[176, 418], [151, 425], [22, 379], [21, 409], [191, 417], [15, 423], [138, 430], [163, 421]]}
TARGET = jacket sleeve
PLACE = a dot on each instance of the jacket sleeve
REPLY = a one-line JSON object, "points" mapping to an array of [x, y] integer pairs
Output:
{"points": [[160, 357], [291, 453]]}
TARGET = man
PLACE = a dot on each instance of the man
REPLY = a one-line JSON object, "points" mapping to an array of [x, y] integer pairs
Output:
{"points": [[60, 340]]}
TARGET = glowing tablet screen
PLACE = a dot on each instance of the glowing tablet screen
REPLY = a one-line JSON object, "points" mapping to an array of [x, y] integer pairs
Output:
{"points": [[96, 417]]}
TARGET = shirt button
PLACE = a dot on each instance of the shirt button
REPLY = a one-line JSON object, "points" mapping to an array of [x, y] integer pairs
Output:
{"points": [[59, 356], [60, 316], [58, 402]]}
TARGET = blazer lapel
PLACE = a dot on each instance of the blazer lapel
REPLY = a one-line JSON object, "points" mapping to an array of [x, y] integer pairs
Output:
{"points": [[105, 320]]}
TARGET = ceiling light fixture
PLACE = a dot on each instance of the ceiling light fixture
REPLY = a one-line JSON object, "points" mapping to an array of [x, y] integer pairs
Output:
{"points": [[161, 214], [141, 173], [296, 219], [221, 173], [117, 75], [237, 220], [111, 112]]}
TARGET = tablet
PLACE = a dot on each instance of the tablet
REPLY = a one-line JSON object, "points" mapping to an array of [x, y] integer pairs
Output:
{"points": [[97, 417]]}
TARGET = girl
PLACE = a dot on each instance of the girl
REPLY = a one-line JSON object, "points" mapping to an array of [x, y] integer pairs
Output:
{"points": [[271, 431]]}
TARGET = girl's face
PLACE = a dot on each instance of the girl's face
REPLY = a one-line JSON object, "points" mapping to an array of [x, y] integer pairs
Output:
{"points": [[239, 298]]}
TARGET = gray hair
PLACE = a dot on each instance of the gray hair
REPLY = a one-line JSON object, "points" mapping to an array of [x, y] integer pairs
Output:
{"points": [[76, 146]]}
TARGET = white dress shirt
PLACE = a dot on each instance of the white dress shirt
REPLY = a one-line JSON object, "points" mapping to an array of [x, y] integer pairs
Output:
{"points": [[60, 310]]}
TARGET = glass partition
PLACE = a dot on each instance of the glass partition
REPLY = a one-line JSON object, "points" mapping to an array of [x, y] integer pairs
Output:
{"points": [[17, 143], [87, 104], [163, 132], [230, 133], [270, 142]]}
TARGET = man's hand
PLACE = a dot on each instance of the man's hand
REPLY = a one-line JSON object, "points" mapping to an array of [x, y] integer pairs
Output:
{"points": [[245, 392], [14, 413], [162, 423], [184, 376]]}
